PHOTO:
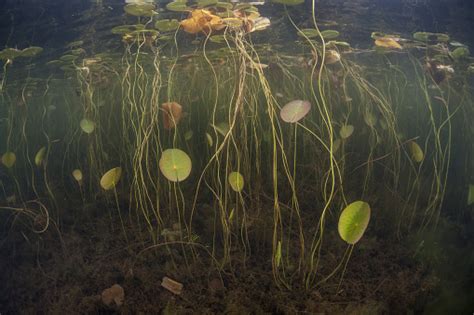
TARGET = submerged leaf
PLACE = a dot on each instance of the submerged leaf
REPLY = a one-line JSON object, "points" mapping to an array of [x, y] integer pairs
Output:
{"points": [[172, 114], [9, 159], [77, 174], [416, 152], [110, 179], [39, 157], [295, 110], [387, 42], [346, 131], [353, 221], [87, 125], [236, 181], [175, 165]]}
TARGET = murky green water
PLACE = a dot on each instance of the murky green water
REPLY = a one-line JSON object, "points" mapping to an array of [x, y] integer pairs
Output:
{"points": [[277, 157]]}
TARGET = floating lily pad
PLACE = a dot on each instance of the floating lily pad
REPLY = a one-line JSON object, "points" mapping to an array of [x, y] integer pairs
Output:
{"points": [[416, 152], [431, 37], [167, 25], [9, 159], [236, 181], [68, 58], [125, 29], [217, 39], [205, 3], [470, 196], [460, 53], [224, 5], [289, 2], [111, 178], [31, 51], [87, 125], [177, 6], [346, 131], [308, 32], [140, 9], [175, 165], [75, 44], [353, 221], [295, 110], [330, 34], [39, 157], [77, 174], [9, 54]]}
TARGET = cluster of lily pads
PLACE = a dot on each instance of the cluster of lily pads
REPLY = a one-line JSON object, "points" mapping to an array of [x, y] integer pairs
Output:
{"points": [[209, 17]]}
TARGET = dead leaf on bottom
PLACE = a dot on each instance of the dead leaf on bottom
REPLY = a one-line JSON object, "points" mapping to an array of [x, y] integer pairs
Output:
{"points": [[172, 285], [113, 294]]}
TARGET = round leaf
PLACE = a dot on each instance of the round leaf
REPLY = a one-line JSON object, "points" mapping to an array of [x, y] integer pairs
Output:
{"points": [[294, 111], [346, 131], [415, 151], [175, 165], [77, 174], [353, 221], [8, 159], [236, 181], [87, 125], [111, 178]]}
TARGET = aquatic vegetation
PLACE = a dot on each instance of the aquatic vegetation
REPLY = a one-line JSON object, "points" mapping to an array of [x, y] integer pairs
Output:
{"points": [[236, 181], [353, 221], [110, 179], [470, 195], [87, 125], [346, 131], [77, 174], [295, 110], [175, 165], [8, 159], [39, 157], [172, 114], [415, 151]]}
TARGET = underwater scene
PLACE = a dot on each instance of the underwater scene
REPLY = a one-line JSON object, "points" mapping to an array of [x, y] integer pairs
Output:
{"points": [[237, 157]]}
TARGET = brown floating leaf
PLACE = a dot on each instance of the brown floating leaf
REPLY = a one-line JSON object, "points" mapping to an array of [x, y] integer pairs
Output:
{"points": [[172, 113], [202, 21], [114, 294], [387, 42], [172, 285]]}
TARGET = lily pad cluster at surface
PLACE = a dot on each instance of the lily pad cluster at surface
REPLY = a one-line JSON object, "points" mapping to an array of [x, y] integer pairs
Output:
{"points": [[12, 53]]}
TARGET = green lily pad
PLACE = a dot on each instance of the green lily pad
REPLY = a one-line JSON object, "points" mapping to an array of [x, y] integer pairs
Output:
{"points": [[295, 110], [330, 34], [8, 159], [125, 29], [236, 181], [218, 39], [346, 131], [177, 6], [431, 37], [88, 126], [31, 51], [460, 53], [140, 9], [289, 2], [111, 178], [308, 32], [175, 165], [68, 58], [224, 5], [75, 44], [205, 3], [9, 54], [39, 157], [416, 152], [167, 25], [353, 221]]}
